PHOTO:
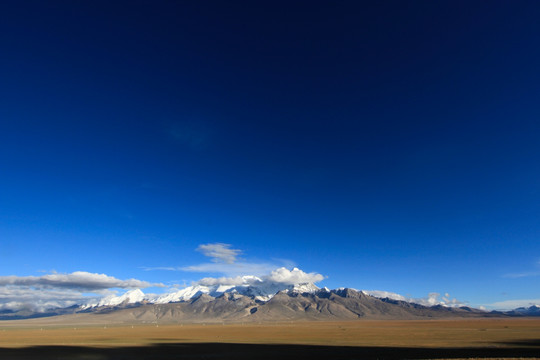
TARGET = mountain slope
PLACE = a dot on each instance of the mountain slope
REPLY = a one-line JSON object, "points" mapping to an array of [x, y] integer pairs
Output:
{"points": [[533, 310], [252, 299], [342, 304]]}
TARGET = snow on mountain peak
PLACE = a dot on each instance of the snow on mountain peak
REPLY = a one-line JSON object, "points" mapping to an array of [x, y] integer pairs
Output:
{"points": [[184, 294], [305, 288], [260, 288], [130, 297]]}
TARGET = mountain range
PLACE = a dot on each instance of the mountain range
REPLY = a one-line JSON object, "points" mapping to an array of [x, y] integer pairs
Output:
{"points": [[254, 300], [250, 286]]}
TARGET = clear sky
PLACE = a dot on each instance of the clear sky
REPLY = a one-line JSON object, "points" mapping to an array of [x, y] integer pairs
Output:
{"points": [[387, 145]]}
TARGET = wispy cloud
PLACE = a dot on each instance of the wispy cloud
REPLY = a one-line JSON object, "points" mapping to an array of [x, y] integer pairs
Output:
{"points": [[164, 268], [513, 304], [431, 299], [225, 260], [235, 269], [521, 275], [528, 273], [219, 252]]}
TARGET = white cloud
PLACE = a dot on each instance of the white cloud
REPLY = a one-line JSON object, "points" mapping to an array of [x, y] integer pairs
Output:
{"points": [[431, 299], [80, 280], [385, 294], [281, 275], [237, 280], [19, 298], [219, 252], [224, 260], [294, 276], [40, 293]]}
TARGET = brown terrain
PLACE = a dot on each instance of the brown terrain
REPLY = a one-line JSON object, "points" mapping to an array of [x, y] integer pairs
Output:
{"points": [[65, 338], [334, 305]]}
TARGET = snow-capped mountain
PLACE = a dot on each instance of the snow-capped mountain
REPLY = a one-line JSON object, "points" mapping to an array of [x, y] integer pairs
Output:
{"points": [[305, 288], [281, 294], [255, 299], [203, 303], [189, 293], [250, 286], [130, 297], [261, 289]]}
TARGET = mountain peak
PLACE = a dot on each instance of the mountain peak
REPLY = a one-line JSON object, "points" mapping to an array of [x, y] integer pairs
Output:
{"points": [[349, 293], [129, 297], [305, 288]]}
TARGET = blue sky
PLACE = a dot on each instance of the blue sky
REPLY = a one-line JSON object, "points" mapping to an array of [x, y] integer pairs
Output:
{"points": [[385, 145]]}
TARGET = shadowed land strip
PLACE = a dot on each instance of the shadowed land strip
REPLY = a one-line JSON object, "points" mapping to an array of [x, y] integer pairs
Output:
{"points": [[252, 351]]}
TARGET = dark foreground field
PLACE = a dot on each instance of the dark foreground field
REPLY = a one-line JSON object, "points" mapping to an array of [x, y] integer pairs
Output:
{"points": [[254, 351], [431, 339]]}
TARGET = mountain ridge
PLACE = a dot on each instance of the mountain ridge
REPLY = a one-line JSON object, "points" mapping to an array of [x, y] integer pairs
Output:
{"points": [[290, 304], [340, 304], [250, 298]]}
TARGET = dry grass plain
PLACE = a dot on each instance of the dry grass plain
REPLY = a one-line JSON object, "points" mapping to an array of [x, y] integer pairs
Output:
{"points": [[470, 338]]}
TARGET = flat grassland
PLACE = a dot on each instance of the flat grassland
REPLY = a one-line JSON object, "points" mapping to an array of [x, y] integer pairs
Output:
{"points": [[470, 338]]}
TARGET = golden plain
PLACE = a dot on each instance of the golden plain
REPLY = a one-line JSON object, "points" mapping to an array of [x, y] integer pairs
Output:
{"points": [[471, 338]]}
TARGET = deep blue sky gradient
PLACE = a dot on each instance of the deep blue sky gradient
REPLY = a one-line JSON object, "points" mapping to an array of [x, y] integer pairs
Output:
{"points": [[387, 145]]}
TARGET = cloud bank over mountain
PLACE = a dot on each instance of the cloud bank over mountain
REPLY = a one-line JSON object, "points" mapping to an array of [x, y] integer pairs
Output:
{"points": [[431, 299], [259, 279], [281, 275], [512, 304], [17, 298], [39, 293], [79, 280]]}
